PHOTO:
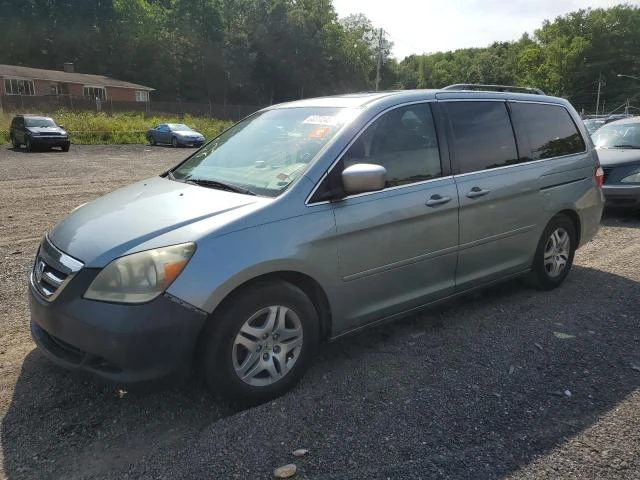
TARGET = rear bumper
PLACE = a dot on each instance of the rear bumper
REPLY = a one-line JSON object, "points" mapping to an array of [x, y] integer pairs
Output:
{"points": [[622, 196], [123, 345]]}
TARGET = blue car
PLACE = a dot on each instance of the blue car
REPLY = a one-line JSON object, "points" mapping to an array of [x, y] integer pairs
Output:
{"points": [[175, 134]]}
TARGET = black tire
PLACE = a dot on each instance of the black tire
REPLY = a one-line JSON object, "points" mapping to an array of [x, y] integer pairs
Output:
{"points": [[65, 148], [28, 145], [15, 143], [152, 140], [542, 275], [174, 142], [217, 343]]}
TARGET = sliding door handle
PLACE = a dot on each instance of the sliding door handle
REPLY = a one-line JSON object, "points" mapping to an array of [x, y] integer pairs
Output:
{"points": [[476, 192], [436, 200]]}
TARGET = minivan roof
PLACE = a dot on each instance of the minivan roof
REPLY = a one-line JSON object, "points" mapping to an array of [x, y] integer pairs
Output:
{"points": [[359, 100]]}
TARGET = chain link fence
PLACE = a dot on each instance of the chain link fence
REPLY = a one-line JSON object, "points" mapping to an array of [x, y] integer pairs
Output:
{"points": [[53, 103]]}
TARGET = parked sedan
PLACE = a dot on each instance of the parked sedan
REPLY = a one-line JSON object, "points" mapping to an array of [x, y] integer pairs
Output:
{"points": [[618, 146], [176, 134]]}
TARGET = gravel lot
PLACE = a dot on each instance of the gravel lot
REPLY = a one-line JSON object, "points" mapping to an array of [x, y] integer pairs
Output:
{"points": [[508, 383]]}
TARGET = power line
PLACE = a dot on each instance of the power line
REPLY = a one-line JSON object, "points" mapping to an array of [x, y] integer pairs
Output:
{"points": [[407, 44]]}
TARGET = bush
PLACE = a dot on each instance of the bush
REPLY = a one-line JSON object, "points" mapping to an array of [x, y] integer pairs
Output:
{"points": [[99, 128]]}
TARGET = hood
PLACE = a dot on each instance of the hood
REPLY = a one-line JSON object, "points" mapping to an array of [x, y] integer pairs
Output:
{"points": [[117, 223], [45, 130], [613, 157]]}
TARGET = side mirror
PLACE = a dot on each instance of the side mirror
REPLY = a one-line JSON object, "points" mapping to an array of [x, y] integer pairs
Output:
{"points": [[363, 177]]}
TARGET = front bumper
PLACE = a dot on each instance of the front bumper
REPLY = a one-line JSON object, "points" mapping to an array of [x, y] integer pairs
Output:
{"points": [[190, 143], [50, 141], [622, 196], [123, 345]]}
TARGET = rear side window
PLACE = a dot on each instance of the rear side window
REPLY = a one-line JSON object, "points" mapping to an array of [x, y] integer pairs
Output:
{"points": [[482, 135], [545, 131]]}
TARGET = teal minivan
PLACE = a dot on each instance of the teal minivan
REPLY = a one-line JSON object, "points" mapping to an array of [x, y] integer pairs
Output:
{"points": [[310, 220]]}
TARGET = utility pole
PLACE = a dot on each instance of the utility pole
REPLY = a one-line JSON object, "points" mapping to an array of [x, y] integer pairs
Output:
{"points": [[379, 59], [600, 83], [626, 108]]}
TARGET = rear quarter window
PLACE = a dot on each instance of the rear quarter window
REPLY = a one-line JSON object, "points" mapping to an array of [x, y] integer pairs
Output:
{"points": [[545, 131]]}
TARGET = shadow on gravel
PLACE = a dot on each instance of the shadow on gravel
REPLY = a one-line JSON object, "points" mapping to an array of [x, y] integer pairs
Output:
{"points": [[474, 389], [621, 218]]}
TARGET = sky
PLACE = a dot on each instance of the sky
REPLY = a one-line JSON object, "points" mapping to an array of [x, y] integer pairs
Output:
{"points": [[427, 26]]}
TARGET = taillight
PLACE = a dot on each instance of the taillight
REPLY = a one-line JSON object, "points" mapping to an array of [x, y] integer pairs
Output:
{"points": [[599, 176]]}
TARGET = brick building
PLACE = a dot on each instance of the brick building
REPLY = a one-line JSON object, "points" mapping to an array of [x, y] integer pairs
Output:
{"points": [[36, 82]]}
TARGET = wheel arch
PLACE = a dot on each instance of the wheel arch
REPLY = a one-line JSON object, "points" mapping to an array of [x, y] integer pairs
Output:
{"points": [[311, 288], [575, 219]]}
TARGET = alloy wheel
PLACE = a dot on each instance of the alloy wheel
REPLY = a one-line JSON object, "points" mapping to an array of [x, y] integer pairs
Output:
{"points": [[267, 346], [556, 252]]}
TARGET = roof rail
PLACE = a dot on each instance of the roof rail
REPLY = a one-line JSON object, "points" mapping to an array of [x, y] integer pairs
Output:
{"points": [[494, 88]]}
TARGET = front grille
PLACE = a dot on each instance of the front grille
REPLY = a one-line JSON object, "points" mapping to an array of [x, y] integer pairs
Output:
{"points": [[52, 270], [607, 171], [66, 350], [46, 278], [73, 354]]}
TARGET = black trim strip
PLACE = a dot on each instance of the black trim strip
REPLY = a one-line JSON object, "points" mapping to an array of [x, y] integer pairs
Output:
{"points": [[562, 183]]}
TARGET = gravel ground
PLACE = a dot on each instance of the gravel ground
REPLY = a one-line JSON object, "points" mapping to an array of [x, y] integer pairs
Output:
{"points": [[509, 383]]}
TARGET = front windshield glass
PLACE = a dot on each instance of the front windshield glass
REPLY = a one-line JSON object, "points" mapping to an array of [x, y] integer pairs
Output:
{"points": [[179, 127], [266, 152], [39, 122], [614, 135]]}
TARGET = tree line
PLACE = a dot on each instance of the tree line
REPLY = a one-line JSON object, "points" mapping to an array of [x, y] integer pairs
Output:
{"points": [[266, 51]]}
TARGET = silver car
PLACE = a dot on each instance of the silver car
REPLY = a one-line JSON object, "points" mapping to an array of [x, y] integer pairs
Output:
{"points": [[618, 146], [310, 220]]}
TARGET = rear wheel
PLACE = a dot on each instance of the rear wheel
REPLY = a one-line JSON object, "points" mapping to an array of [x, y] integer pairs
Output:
{"points": [[259, 344], [554, 255]]}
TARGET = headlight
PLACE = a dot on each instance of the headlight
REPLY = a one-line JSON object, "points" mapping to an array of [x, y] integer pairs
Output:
{"points": [[634, 178], [140, 277]]}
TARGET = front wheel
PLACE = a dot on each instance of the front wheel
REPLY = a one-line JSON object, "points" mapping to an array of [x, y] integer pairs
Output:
{"points": [[554, 255], [152, 140], [259, 344], [174, 142], [14, 142], [28, 144]]}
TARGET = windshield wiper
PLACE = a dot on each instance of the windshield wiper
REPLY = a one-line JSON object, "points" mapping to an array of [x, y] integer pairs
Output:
{"points": [[203, 182], [171, 177], [626, 146]]}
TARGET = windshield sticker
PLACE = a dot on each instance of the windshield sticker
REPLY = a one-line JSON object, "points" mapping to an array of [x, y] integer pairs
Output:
{"points": [[321, 120], [318, 133]]}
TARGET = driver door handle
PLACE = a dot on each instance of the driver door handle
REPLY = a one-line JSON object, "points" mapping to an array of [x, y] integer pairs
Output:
{"points": [[476, 192], [436, 200]]}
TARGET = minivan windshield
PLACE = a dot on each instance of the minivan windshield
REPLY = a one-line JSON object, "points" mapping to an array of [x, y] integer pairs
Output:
{"points": [[616, 135], [39, 122], [266, 152]]}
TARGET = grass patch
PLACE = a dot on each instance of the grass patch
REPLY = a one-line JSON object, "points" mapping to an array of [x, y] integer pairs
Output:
{"points": [[99, 128]]}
